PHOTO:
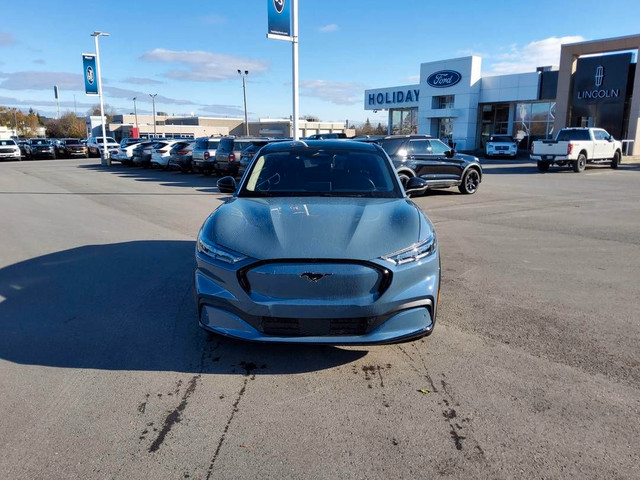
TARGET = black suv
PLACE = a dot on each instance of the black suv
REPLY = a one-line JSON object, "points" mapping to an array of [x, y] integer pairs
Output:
{"points": [[432, 160]]}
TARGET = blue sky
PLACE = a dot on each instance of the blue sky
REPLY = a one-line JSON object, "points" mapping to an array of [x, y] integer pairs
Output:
{"points": [[188, 52]]}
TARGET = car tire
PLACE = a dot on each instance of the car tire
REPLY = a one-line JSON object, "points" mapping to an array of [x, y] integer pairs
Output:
{"points": [[615, 161], [470, 182], [580, 164], [543, 166]]}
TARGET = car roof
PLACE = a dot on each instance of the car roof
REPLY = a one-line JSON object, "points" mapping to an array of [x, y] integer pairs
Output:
{"points": [[413, 135], [331, 144]]}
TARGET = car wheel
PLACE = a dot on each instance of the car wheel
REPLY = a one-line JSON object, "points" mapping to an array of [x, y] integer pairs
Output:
{"points": [[543, 166], [615, 161], [470, 182], [580, 164]]}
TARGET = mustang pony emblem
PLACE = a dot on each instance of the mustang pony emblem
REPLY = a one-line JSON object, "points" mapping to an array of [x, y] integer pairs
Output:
{"points": [[314, 277]]}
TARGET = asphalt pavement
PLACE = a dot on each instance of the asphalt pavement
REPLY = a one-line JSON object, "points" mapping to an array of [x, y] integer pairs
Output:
{"points": [[533, 370]]}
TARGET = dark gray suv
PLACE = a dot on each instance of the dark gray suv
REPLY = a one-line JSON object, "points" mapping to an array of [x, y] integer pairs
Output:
{"points": [[229, 153], [434, 161]]}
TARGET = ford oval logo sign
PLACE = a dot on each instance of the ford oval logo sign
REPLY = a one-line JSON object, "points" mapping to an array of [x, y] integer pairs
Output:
{"points": [[444, 78]]}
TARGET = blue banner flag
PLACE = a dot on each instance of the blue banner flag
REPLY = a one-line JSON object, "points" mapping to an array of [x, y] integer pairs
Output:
{"points": [[279, 17], [90, 74]]}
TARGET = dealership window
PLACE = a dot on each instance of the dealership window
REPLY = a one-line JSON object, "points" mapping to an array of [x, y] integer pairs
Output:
{"points": [[494, 120], [443, 101], [533, 121], [403, 121], [445, 130]]}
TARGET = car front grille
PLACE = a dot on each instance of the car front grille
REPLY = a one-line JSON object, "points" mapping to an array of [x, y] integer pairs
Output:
{"points": [[294, 327], [6, 150]]}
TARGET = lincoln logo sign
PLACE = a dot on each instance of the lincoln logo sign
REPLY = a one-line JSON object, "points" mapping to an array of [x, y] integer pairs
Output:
{"points": [[599, 92], [444, 78]]}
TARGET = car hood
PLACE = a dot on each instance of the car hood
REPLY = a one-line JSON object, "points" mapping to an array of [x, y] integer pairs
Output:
{"points": [[311, 227]]}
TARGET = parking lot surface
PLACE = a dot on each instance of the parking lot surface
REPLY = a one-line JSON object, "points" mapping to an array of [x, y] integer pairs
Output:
{"points": [[533, 369]]}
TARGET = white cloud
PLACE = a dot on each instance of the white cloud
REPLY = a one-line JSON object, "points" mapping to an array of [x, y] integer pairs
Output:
{"points": [[203, 66], [41, 80], [340, 93], [332, 27], [525, 59]]}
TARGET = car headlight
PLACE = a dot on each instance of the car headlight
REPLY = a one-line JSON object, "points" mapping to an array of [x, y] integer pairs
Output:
{"points": [[414, 252], [216, 252]]}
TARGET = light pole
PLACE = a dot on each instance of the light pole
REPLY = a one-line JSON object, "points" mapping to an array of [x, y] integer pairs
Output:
{"points": [[244, 93], [15, 121], [153, 99], [106, 160], [135, 112]]}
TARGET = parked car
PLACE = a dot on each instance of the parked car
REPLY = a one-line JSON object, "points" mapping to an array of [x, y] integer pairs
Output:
{"points": [[96, 144], [161, 152], [204, 154], [71, 147], [346, 258], [124, 154], [434, 161], [501, 146], [575, 147], [41, 148], [141, 154], [228, 154], [9, 150], [24, 148], [181, 155]]}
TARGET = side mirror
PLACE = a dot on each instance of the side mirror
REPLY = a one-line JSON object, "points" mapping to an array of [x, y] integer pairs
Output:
{"points": [[450, 153], [416, 185], [610, 138], [227, 185]]}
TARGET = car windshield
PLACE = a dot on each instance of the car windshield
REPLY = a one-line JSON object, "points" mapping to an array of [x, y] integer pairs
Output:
{"points": [[7, 143], [72, 141], [109, 140], [39, 142], [501, 139], [321, 172]]}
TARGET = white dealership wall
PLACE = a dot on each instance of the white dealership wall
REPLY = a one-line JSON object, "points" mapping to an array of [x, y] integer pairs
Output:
{"points": [[469, 92]]}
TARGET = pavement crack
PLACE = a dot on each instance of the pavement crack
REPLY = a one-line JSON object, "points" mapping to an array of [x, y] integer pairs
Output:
{"points": [[236, 403], [175, 416]]}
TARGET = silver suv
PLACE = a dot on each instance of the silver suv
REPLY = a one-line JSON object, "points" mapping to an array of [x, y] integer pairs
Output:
{"points": [[229, 153], [204, 154]]}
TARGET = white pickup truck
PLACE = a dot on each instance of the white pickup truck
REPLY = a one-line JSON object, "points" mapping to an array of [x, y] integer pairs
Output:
{"points": [[576, 147]]}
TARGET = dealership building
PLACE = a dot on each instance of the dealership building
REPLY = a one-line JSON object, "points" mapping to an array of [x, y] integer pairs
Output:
{"points": [[595, 85]]}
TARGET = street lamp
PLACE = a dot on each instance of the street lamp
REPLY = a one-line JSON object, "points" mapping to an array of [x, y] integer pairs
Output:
{"points": [[106, 160], [153, 99], [244, 93], [15, 121], [135, 112]]}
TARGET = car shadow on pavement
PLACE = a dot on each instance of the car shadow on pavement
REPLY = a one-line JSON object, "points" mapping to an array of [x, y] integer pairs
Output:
{"points": [[169, 178], [129, 306]]}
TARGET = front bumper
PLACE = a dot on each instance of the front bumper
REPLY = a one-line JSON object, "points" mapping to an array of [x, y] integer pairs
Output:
{"points": [[10, 156], [403, 311]]}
